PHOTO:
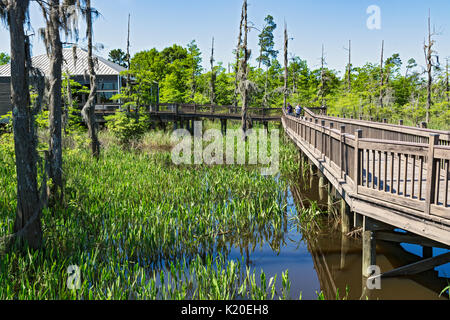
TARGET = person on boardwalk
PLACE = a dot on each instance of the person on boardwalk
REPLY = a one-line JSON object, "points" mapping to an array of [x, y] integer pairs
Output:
{"points": [[289, 109], [298, 110]]}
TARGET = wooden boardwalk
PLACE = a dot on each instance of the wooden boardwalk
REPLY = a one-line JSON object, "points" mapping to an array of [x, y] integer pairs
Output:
{"points": [[167, 112], [398, 175]]}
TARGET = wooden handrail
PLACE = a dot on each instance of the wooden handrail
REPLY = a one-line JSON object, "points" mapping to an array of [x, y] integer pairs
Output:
{"points": [[413, 174], [385, 130]]}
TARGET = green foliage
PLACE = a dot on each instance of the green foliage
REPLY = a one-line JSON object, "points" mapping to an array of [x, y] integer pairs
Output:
{"points": [[42, 119], [7, 122], [125, 127], [266, 42], [119, 57], [4, 58], [133, 239]]}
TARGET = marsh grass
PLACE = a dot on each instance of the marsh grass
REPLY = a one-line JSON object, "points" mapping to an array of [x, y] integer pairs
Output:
{"points": [[140, 227]]}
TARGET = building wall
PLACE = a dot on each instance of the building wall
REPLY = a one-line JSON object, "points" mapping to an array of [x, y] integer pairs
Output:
{"points": [[5, 96], [108, 91]]}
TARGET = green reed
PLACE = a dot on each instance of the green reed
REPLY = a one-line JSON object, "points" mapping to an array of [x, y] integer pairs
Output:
{"points": [[139, 227]]}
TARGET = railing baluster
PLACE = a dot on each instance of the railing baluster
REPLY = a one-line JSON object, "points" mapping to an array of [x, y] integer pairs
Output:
{"points": [[405, 185], [413, 179], [399, 169], [379, 171], [447, 164], [357, 162], [385, 171], [367, 168], [431, 173], [421, 177], [341, 153], [392, 171], [373, 169]]}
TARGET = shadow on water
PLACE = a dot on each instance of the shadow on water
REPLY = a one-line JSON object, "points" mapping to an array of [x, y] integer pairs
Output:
{"points": [[325, 260]]}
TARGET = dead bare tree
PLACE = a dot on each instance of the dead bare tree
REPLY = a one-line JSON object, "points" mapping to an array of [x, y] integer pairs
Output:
{"points": [[447, 84], [88, 111], [322, 76], [68, 98], [55, 17], [429, 54], [238, 56], [381, 76], [349, 67], [286, 72], [243, 71], [212, 83]]}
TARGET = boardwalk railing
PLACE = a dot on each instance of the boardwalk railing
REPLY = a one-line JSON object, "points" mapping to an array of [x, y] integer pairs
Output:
{"points": [[211, 110], [383, 131], [414, 175]]}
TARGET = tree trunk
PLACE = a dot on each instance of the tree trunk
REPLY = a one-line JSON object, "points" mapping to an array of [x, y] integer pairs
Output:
{"points": [[349, 75], [447, 85], [213, 77], [429, 57], [381, 75], [286, 45], [55, 100], [238, 51], [27, 225], [244, 71], [322, 77], [88, 111], [68, 104]]}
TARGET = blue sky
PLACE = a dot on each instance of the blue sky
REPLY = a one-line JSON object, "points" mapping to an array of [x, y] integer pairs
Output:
{"points": [[310, 22]]}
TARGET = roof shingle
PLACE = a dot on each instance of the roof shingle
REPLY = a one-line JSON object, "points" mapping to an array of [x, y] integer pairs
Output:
{"points": [[42, 62]]}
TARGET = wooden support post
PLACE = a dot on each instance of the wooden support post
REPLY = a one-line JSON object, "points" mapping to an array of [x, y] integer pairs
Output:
{"points": [[345, 244], [345, 217], [188, 125], [341, 151], [321, 186], [357, 162], [312, 167], [430, 191], [330, 199], [357, 220], [266, 126], [427, 252], [369, 248]]}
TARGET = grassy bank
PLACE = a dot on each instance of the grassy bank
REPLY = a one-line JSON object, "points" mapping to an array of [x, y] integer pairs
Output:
{"points": [[139, 227]]}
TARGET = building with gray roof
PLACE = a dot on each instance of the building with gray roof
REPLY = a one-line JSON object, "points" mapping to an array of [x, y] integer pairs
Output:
{"points": [[76, 64]]}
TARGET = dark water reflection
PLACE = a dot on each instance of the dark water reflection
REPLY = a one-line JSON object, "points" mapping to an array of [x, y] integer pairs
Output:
{"points": [[325, 260]]}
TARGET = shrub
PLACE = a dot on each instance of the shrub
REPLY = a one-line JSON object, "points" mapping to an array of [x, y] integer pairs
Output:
{"points": [[125, 127]]}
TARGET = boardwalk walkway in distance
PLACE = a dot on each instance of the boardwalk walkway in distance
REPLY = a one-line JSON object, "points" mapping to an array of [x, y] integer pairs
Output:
{"points": [[185, 114]]}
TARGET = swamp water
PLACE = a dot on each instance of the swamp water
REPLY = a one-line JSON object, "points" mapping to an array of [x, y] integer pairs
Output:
{"points": [[324, 261]]}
